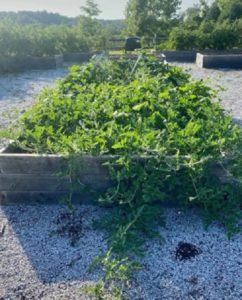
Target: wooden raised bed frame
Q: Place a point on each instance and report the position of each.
(216, 61)
(30, 178)
(37, 179)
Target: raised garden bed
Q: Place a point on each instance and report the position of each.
(44, 179)
(20, 64)
(213, 60)
(180, 56)
(113, 131)
(163, 132)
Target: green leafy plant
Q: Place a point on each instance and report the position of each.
(117, 273)
(165, 132)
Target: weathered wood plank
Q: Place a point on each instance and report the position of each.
(43, 182)
(94, 182)
(23, 197)
(90, 165)
(31, 164)
(50, 198)
(29, 178)
(21, 182)
(52, 164)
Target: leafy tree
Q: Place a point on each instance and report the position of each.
(114, 28)
(90, 27)
(146, 17)
(38, 40)
(217, 26)
(213, 12)
(42, 33)
(231, 9)
(36, 17)
(183, 39)
(224, 36)
(91, 9)
(192, 18)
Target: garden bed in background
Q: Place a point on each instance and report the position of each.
(16, 64)
(219, 61)
(21, 64)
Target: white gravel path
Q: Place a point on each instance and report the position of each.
(18, 92)
(37, 265)
(215, 274)
(229, 80)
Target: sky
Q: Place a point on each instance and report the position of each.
(111, 9)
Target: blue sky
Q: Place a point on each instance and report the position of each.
(111, 9)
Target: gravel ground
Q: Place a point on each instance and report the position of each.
(18, 92)
(37, 264)
(229, 80)
(214, 274)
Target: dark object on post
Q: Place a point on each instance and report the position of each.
(132, 43)
(186, 251)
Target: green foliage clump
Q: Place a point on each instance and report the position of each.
(164, 130)
(40, 40)
(155, 111)
(41, 33)
(182, 39)
(150, 18)
(204, 26)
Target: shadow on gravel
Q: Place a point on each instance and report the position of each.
(56, 245)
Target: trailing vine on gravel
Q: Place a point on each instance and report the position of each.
(165, 132)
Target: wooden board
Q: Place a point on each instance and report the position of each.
(31, 164)
(31, 197)
(28, 182)
(31, 178)
(51, 164)
(49, 198)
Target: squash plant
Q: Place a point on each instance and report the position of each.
(166, 131)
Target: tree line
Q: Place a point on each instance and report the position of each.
(204, 26)
(43, 33)
(36, 17)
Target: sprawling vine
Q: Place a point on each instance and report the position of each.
(165, 132)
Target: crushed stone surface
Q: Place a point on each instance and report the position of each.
(18, 92)
(37, 264)
(227, 81)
